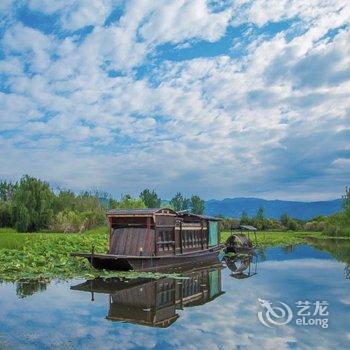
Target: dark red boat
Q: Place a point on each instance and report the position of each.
(157, 239)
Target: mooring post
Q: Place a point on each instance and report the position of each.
(92, 254)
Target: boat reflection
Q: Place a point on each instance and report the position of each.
(242, 265)
(155, 303)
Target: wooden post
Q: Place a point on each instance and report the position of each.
(92, 254)
(202, 243)
(155, 239)
(148, 244)
(181, 248)
(110, 221)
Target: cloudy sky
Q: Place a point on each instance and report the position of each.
(219, 98)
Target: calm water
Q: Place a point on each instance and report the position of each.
(211, 309)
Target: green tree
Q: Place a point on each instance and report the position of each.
(6, 217)
(22, 223)
(177, 201)
(197, 205)
(244, 220)
(288, 222)
(150, 198)
(128, 202)
(346, 205)
(260, 221)
(260, 215)
(284, 219)
(33, 204)
(6, 191)
(65, 200)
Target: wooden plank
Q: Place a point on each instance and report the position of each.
(110, 234)
(181, 246)
(184, 228)
(202, 243)
(147, 238)
(155, 241)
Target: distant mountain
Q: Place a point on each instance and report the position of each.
(233, 207)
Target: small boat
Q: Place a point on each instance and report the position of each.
(157, 239)
(238, 242)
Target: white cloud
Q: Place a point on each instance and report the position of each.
(175, 21)
(76, 14)
(277, 116)
(261, 12)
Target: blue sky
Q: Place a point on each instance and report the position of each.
(219, 98)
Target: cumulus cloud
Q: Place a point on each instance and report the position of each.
(76, 14)
(116, 102)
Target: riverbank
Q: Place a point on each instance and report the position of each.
(45, 256)
(281, 238)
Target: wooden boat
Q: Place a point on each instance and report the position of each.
(157, 239)
(154, 303)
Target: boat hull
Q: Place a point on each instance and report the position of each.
(152, 263)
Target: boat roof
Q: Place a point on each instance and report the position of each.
(246, 227)
(141, 212)
(204, 217)
(156, 211)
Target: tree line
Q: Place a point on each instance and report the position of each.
(30, 204)
(337, 224)
(262, 223)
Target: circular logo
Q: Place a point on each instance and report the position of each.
(274, 315)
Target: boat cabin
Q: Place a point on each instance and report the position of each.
(160, 232)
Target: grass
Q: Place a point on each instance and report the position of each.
(11, 239)
(278, 238)
(44, 256)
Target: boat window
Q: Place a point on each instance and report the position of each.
(193, 238)
(165, 239)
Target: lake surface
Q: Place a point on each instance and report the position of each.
(213, 308)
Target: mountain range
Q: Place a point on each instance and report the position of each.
(233, 207)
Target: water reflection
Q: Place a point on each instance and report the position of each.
(29, 287)
(155, 302)
(62, 318)
(337, 247)
(242, 266)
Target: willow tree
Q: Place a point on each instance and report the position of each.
(32, 205)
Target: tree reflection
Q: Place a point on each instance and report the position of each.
(27, 288)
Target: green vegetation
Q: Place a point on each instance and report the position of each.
(150, 198)
(31, 205)
(197, 205)
(278, 238)
(335, 225)
(44, 256)
(194, 204)
(126, 202)
(338, 248)
(262, 223)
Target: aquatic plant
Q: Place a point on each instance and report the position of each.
(45, 256)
